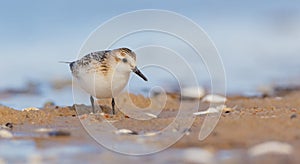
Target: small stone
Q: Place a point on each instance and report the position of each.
(293, 116)
(9, 125)
(59, 133)
(5, 134)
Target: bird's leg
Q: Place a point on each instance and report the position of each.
(113, 105)
(92, 102)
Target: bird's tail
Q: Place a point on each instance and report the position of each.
(65, 62)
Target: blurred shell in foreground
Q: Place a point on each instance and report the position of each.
(192, 92)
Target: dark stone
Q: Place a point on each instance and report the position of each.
(9, 125)
(293, 116)
(59, 133)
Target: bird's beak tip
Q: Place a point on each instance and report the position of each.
(139, 73)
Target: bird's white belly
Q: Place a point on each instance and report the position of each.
(101, 86)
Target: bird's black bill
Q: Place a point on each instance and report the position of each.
(138, 72)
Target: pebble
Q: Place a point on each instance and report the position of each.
(9, 125)
(59, 133)
(125, 131)
(5, 134)
(192, 92)
(293, 116)
(30, 109)
(269, 147)
(214, 99)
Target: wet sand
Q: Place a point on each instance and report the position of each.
(250, 121)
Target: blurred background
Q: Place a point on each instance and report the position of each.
(258, 41)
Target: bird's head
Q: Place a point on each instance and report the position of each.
(126, 61)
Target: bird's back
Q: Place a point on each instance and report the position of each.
(87, 61)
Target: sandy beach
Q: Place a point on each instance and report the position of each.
(247, 123)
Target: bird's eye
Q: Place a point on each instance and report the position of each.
(124, 60)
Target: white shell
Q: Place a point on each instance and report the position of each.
(5, 134)
(124, 131)
(30, 109)
(270, 147)
(197, 155)
(193, 92)
(43, 130)
(151, 115)
(149, 134)
(214, 98)
(210, 110)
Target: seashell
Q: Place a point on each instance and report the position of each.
(151, 115)
(125, 131)
(270, 147)
(214, 99)
(5, 134)
(192, 92)
(210, 110)
(41, 130)
(149, 134)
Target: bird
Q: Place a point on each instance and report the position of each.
(104, 74)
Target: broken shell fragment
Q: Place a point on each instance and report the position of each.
(151, 115)
(210, 110)
(30, 109)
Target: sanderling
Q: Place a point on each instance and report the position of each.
(104, 74)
